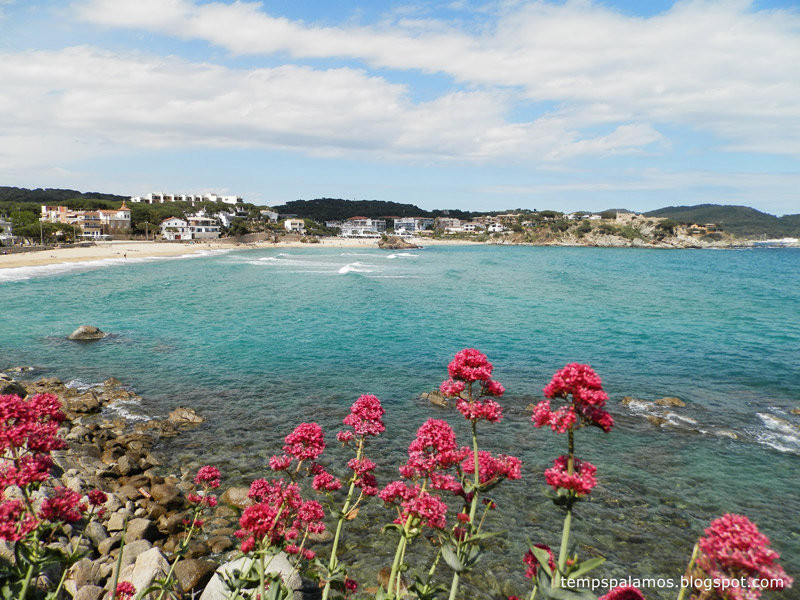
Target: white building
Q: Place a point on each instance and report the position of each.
(411, 225)
(473, 227)
(363, 227)
(271, 215)
(295, 225)
(92, 223)
(203, 228)
(6, 232)
(162, 198)
(175, 228)
(496, 228)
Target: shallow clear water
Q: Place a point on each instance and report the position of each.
(260, 340)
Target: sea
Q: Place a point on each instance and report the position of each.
(258, 341)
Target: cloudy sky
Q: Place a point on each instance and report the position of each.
(577, 104)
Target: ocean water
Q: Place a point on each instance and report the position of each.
(261, 340)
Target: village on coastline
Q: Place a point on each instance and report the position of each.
(206, 217)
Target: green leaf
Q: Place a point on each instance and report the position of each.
(543, 556)
(451, 558)
(567, 594)
(586, 566)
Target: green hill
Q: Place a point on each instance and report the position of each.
(741, 221)
(335, 209)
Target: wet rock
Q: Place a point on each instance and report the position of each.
(219, 544)
(395, 243)
(627, 400)
(185, 416)
(657, 421)
(670, 401)
(795, 411)
(383, 580)
(435, 397)
(12, 388)
(87, 333)
(193, 574)
(236, 496)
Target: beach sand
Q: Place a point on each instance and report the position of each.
(142, 249)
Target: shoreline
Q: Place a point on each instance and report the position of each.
(125, 250)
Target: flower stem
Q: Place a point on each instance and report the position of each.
(689, 570)
(26, 584)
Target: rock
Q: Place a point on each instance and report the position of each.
(167, 495)
(95, 532)
(116, 522)
(657, 421)
(108, 544)
(185, 416)
(383, 580)
(142, 529)
(219, 544)
(216, 590)
(435, 397)
(236, 496)
(395, 243)
(670, 401)
(87, 333)
(795, 411)
(627, 400)
(8, 388)
(80, 574)
(174, 523)
(89, 592)
(131, 552)
(128, 492)
(193, 574)
(149, 566)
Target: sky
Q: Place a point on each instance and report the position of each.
(469, 104)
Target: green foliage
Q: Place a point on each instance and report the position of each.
(608, 214)
(668, 225)
(333, 209)
(584, 228)
(740, 221)
(559, 225)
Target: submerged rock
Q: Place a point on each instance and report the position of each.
(87, 333)
(396, 243)
(670, 401)
(435, 397)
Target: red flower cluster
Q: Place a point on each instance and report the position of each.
(588, 399)
(29, 429)
(125, 591)
(365, 478)
(279, 516)
(97, 497)
(325, 482)
(15, 521)
(420, 505)
(533, 564)
(65, 506)
(433, 449)
(208, 477)
(366, 416)
(734, 549)
(306, 442)
(623, 592)
(469, 366)
(492, 469)
(581, 481)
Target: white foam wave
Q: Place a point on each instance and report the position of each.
(121, 408)
(81, 385)
(355, 267)
(776, 423)
(356, 254)
(779, 434)
(12, 274)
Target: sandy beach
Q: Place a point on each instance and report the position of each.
(141, 249)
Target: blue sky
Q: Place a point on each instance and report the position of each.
(569, 105)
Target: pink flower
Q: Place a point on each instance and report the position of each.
(470, 365)
(476, 410)
(433, 449)
(366, 416)
(494, 388)
(533, 564)
(351, 585)
(279, 463)
(97, 497)
(733, 549)
(15, 521)
(492, 470)
(625, 592)
(344, 436)
(208, 476)
(306, 442)
(452, 388)
(325, 482)
(580, 482)
(64, 506)
(578, 381)
(587, 401)
(125, 591)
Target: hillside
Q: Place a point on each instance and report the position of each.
(335, 209)
(740, 221)
(53, 196)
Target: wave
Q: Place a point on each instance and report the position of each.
(355, 267)
(13, 274)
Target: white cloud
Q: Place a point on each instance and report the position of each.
(720, 67)
(94, 99)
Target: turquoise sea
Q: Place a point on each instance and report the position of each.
(261, 340)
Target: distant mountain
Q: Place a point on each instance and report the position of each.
(336, 209)
(741, 221)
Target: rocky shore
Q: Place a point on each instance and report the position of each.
(146, 506)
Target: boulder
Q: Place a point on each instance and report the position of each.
(167, 495)
(87, 333)
(142, 529)
(236, 496)
(657, 421)
(395, 243)
(185, 416)
(193, 573)
(89, 592)
(216, 589)
(435, 397)
(149, 566)
(795, 411)
(670, 401)
(95, 532)
(80, 574)
(8, 388)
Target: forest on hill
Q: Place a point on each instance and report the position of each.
(740, 221)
